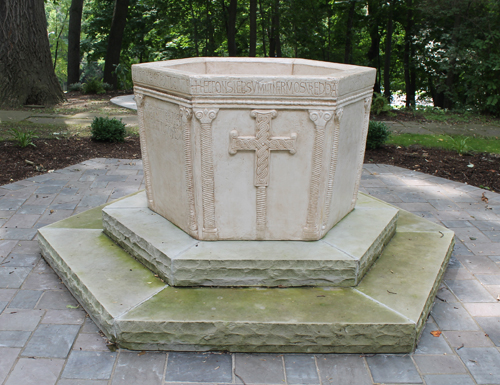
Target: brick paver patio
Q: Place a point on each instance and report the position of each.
(46, 338)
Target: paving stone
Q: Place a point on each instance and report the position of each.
(11, 203)
(26, 247)
(56, 215)
(487, 225)
(20, 319)
(13, 277)
(57, 300)
(68, 317)
(17, 234)
(439, 364)
(483, 309)
(13, 338)
(470, 291)
(483, 364)
(483, 248)
(457, 274)
(456, 224)
(6, 247)
(35, 372)
(491, 325)
(42, 267)
(301, 369)
(452, 316)
(40, 199)
(342, 370)
(25, 299)
(41, 281)
(467, 339)
(138, 369)
(89, 365)
(93, 201)
(493, 236)
(92, 341)
(393, 369)
(27, 260)
(199, 367)
(47, 189)
(3, 305)
(89, 326)
(7, 294)
(7, 358)
(52, 341)
(428, 344)
(63, 206)
(22, 221)
(65, 381)
(448, 379)
(489, 279)
(479, 264)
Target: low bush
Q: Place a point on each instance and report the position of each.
(75, 87)
(378, 133)
(23, 138)
(380, 104)
(108, 130)
(93, 86)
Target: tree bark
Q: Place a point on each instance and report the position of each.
(253, 28)
(388, 51)
(348, 35)
(195, 24)
(231, 28)
(262, 18)
(74, 30)
(274, 41)
(374, 50)
(409, 68)
(115, 42)
(26, 72)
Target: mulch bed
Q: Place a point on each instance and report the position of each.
(481, 170)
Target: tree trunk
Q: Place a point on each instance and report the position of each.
(195, 24)
(231, 28)
(374, 50)
(26, 72)
(450, 77)
(274, 41)
(388, 51)
(263, 23)
(348, 35)
(115, 42)
(253, 28)
(409, 67)
(74, 29)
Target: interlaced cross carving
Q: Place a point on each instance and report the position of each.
(262, 143)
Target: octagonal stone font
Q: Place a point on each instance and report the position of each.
(252, 148)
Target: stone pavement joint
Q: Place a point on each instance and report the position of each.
(466, 353)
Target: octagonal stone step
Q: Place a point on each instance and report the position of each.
(341, 258)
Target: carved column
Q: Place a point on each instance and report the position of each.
(186, 116)
(206, 117)
(140, 99)
(333, 165)
(320, 119)
(366, 122)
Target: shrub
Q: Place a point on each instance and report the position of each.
(108, 130)
(75, 87)
(378, 133)
(93, 86)
(23, 138)
(380, 104)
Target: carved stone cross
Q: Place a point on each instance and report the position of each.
(262, 143)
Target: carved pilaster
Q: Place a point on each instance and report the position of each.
(320, 118)
(206, 116)
(140, 100)
(186, 116)
(333, 164)
(361, 154)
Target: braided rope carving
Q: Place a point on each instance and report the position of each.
(262, 143)
(320, 119)
(186, 115)
(367, 104)
(140, 100)
(206, 117)
(333, 164)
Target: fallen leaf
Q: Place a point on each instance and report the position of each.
(72, 307)
(484, 198)
(141, 353)
(436, 333)
(470, 165)
(498, 297)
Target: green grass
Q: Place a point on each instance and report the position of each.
(43, 131)
(454, 143)
(435, 114)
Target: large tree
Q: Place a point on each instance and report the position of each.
(74, 28)
(26, 72)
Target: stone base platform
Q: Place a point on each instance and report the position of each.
(341, 258)
(384, 313)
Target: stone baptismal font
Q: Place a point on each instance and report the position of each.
(251, 235)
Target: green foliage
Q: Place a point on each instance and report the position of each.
(94, 86)
(23, 138)
(75, 87)
(108, 130)
(380, 104)
(378, 133)
(447, 142)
